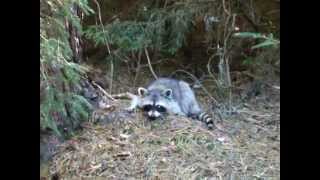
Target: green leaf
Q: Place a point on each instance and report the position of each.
(247, 61)
(264, 44)
(248, 35)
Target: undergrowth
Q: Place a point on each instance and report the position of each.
(160, 29)
(62, 107)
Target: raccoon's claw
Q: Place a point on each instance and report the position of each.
(210, 126)
(129, 110)
(192, 116)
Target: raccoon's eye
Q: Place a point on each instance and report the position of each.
(147, 108)
(160, 108)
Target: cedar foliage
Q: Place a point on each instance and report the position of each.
(160, 29)
(61, 105)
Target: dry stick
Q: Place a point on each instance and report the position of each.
(127, 95)
(224, 7)
(229, 81)
(109, 51)
(195, 79)
(218, 82)
(137, 69)
(103, 91)
(157, 62)
(227, 62)
(205, 90)
(224, 61)
(209, 71)
(165, 4)
(150, 66)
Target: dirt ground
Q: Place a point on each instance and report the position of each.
(245, 146)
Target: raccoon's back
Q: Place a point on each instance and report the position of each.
(167, 83)
(164, 83)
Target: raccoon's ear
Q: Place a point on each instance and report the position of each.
(142, 91)
(167, 93)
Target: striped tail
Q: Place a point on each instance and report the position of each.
(205, 117)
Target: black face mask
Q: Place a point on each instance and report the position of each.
(158, 108)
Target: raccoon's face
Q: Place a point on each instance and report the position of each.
(154, 102)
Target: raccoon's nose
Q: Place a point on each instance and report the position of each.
(152, 115)
(152, 118)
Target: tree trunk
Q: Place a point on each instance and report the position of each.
(75, 40)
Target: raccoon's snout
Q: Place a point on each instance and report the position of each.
(152, 118)
(152, 115)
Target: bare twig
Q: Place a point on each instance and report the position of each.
(108, 47)
(127, 95)
(111, 74)
(157, 62)
(224, 7)
(137, 69)
(224, 58)
(209, 69)
(100, 20)
(196, 80)
(150, 66)
(103, 91)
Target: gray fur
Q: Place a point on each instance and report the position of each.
(175, 95)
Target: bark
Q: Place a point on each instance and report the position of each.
(75, 40)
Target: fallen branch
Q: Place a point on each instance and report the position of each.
(124, 95)
(103, 91)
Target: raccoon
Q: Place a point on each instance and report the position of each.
(169, 96)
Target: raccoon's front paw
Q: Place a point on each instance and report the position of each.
(129, 110)
(192, 116)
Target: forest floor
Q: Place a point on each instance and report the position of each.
(131, 147)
